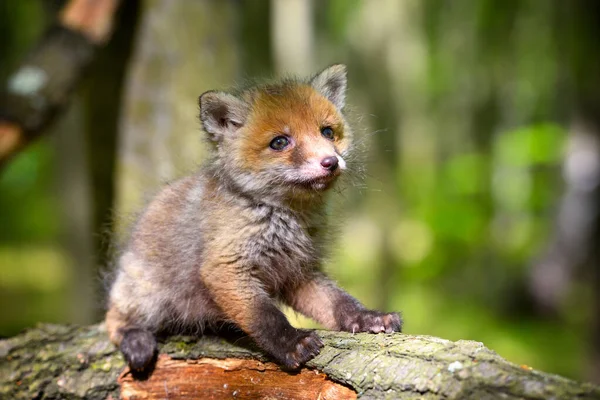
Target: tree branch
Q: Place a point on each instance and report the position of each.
(44, 81)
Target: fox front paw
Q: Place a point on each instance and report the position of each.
(371, 321)
(299, 350)
(139, 348)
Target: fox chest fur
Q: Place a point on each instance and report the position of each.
(278, 246)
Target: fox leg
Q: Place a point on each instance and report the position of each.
(137, 344)
(321, 299)
(245, 303)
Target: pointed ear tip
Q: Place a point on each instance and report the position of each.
(339, 68)
(333, 70)
(206, 95)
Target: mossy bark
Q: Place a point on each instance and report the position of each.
(52, 362)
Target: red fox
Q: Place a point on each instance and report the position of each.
(247, 231)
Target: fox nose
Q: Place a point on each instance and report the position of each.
(330, 163)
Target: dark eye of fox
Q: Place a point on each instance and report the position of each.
(279, 143)
(327, 133)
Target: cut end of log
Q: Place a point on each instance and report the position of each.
(209, 378)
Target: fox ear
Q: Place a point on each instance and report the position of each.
(221, 114)
(331, 83)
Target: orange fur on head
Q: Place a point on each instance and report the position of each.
(294, 110)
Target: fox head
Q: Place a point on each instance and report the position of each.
(283, 139)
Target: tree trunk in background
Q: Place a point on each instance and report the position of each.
(584, 22)
(254, 36)
(84, 141)
(103, 92)
(86, 146)
(594, 374)
(574, 250)
(574, 238)
(183, 48)
(292, 36)
(75, 207)
(593, 262)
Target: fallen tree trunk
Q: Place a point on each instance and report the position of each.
(53, 361)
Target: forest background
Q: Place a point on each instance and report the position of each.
(478, 215)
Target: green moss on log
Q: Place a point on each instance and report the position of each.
(52, 362)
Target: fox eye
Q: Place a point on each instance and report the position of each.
(327, 133)
(279, 143)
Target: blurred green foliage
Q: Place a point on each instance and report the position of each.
(33, 276)
(463, 172)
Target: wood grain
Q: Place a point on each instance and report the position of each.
(229, 378)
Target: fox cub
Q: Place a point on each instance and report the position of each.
(247, 231)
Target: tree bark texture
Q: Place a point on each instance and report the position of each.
(53, 361)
